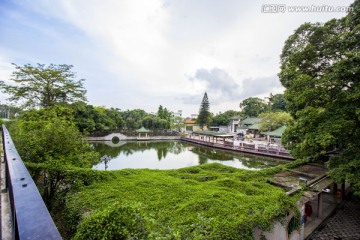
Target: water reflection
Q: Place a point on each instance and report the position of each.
(172, 155)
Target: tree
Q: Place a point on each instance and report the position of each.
(160, 112)
(177, 123)
(320, 71)
(9, 112)
(90, 119)
(115, 115)
(253, 106)
(154, 122)
(149, 122)
(204, 117)
(133, 118)
(164, 114)
(223, 119)
(84, 117)
(270, 99)
(44, 86)
(48, 137)
(273, 120)
(278, 103)
(50, 134)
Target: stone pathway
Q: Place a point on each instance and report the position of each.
(343, 225)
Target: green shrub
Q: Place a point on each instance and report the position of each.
(118, 221)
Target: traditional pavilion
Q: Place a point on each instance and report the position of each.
(142, 131)
(277, 133)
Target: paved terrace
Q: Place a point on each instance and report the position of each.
(326, 215)
(228, 142)
(344, 224)
(5, 212)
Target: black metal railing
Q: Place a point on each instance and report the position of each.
(30, 218)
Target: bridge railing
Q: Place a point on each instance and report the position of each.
(29, 215)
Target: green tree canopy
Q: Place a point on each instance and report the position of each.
(49, 137)
(90, 119)
(204, 117)
(278, 103)
(164, 114)
(50, 134)
(44, 86)
(154, 122)
(223, 119)
(320, 71)
(133, 118)
(253, 106)
(273, 120)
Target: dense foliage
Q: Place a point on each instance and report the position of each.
(133, 118)
(44, 86)
(273, 120)
(204, 117)
(253, 106)
(49, 136)
(188, 203)
(320, 71)
(278, 102)
(101, 120)
(223, 119)
(164, 113)
(153, 122)
(90, 119)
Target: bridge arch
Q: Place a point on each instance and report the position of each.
(113, 135)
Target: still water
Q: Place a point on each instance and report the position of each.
(172, 155)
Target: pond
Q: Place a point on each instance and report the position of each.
(172, 155)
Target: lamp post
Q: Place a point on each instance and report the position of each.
(105, 159)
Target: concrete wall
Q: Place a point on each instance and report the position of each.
(279, 232)
(224, 129)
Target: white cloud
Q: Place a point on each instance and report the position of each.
(143, 53)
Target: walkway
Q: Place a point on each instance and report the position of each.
(5, 212)
(243, 148)
(343, 225)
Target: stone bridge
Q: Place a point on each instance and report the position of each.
(123, 137)
(110, 137)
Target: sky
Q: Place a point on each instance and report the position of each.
(139, 54)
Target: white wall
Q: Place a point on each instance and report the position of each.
(279, 232)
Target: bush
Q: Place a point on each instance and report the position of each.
(118, 221)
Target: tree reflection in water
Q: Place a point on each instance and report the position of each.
(163, 148)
